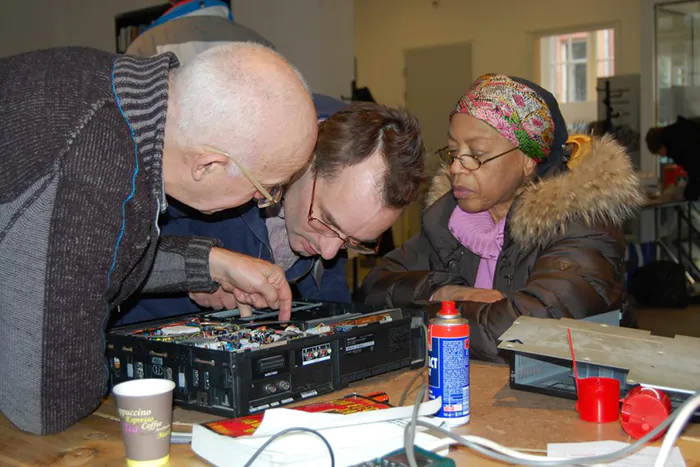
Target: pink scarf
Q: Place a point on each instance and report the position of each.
(478, 233)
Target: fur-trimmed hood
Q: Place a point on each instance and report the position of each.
(600, 188)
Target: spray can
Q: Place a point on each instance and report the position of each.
(448, 364)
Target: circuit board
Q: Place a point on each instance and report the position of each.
(227, 330)
(233, 366)
(400, 459)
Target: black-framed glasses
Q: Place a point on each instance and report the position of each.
(469, 162)
(327, 231)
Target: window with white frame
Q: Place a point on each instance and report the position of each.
(570, 63)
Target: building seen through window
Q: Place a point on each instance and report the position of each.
(571, 63)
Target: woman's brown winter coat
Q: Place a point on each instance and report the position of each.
(563, 252)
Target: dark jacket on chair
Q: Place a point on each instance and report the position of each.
(563, 252)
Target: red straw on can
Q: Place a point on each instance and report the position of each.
(573, 358)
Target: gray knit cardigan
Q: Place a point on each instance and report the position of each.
(81, 189)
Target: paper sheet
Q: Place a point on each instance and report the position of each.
(351, 445)
(276, 420)
(645, 457)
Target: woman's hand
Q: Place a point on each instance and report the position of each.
(460, 293)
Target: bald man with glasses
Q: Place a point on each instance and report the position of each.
(94, 147)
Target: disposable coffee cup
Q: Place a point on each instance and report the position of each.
(598, 399)
(145, 409)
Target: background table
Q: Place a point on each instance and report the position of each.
(673, 199)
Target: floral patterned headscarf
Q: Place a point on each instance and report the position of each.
(522, 112)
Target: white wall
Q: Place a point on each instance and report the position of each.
(502, 34)
(574, 112)
(37, 24)
(315, 35)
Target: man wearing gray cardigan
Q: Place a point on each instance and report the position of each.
(90, 146)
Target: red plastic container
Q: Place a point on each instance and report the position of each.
(598, 399)
(673, 174)
(643, 409)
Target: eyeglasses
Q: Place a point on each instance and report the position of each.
(327, 231)
(273, 196)
(468, 161)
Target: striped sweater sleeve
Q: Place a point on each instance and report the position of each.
(182, 264)
(141, 89)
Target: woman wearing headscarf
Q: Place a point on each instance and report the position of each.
(519, 223)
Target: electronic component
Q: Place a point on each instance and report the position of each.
(399, 458)
(315, 354)
(233, 366)
(540, 359)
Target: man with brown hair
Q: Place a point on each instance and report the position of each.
(368, 167)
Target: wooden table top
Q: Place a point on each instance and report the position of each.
(668, 198)
(513, 418)
(665, 200)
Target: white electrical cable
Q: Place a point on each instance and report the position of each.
(487, 443)
(678, 419)
(287, 431)
(675, 429)
(496, 451)
(489, 448)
